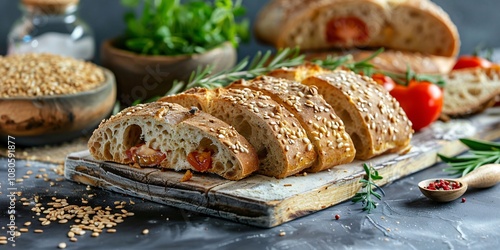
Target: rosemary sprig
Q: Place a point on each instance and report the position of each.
(262, 64)
(246, 69)
(364, 66)
(367, 192)
(481, 153)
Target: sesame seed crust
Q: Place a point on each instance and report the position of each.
(317, 117)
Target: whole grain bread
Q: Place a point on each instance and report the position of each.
(372, 117)
(469, 91)
(280, 141)
(173, 132)
(408, 25)
(324, 128)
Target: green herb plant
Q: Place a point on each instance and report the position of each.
(481, 153)
(171, 27)
(369, 189)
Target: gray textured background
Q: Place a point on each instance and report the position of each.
(477, 21)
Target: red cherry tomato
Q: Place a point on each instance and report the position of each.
(346, 30)
(145, 156)
(200, 161)
(384, 80)
(464, 62)
(421, 101)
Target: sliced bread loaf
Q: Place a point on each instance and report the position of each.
(280, 141)
(170, 136)
(324, 128)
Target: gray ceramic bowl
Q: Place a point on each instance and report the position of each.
(35, 121)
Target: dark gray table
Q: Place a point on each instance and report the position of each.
(405, 219)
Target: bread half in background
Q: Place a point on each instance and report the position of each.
(406, 25)
(470, 91)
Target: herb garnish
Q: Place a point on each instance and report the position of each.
(365, 195)
(481, 153)
(169, 27)
(262, 64)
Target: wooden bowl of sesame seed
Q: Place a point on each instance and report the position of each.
(48, 99)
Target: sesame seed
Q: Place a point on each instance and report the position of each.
(145, 231)
(62, 245)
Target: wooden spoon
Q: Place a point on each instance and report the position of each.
(483, 177)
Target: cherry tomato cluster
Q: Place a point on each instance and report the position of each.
(443, 185)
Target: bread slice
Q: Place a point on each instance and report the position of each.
(170, 136)
(324, 128)
(469, 91)
(419, 26)
(320, 24)
(281, 143)
(408, 25)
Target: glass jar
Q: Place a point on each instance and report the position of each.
(51, 26)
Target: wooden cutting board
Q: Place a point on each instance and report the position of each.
(267, 202)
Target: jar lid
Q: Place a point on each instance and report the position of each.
(49, 2)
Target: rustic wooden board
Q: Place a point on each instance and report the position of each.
(267, 202)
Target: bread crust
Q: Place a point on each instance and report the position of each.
(162, 126)
(324, 128)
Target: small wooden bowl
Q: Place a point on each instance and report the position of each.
(35, 121)
(140, 77)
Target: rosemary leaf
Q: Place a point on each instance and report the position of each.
(480, 145)
(481, 153)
